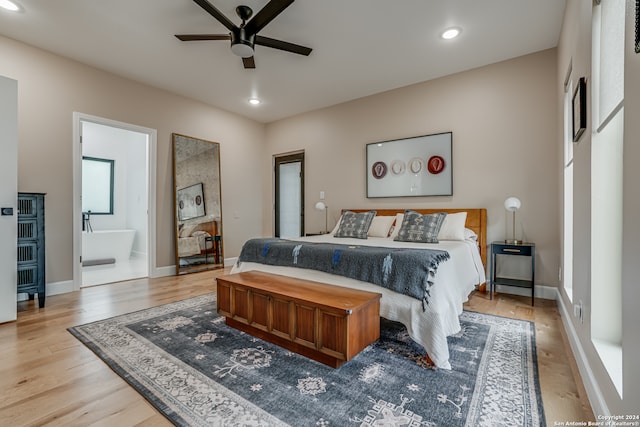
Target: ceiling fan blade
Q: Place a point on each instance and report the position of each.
(249, 62)
(266, 15)
(215, 13)
(286, 46)
(193, 37)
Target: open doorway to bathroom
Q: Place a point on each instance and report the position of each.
(112, 177)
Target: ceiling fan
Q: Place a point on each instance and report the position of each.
(244, 37)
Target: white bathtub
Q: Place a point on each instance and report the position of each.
(103, 244)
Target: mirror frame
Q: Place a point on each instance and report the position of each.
(199, 190)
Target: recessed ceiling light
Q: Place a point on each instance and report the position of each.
(9, 5)
(450, 33)
(254, 101)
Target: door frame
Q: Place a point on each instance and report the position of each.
(278, 159)
(78, 118)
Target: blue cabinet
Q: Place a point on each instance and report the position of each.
(31, 255)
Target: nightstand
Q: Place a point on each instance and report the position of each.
(502, 248)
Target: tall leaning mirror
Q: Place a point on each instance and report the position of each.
(198, 208)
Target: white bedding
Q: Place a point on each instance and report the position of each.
(453, 283)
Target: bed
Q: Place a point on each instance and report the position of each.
(427, 324)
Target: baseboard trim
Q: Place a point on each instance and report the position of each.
(169, 270)
(594, 394)
(53, 288)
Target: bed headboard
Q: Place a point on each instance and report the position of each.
(476, 221)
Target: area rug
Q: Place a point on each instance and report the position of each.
(197, 371)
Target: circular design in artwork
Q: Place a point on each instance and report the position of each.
(198, 200)
(397, 167)
(435, 164)
(379, 170)
(415, 165)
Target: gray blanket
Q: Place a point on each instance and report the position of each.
(403, 270)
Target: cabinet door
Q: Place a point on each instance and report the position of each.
(281, 315)
(259, 316)
(28, 206)
(224, 298)
(28, 278)
(305, 325)
(333, 334)
(240, 304)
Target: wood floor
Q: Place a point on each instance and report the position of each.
(47, 377)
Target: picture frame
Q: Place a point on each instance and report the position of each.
(579, 107)
(637, 35)
(190, 203)
(410, 167)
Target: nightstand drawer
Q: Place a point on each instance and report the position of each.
(524, 250)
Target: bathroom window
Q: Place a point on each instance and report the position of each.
(97, 185)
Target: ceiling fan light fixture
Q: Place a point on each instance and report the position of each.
(451, 33)
(243, 50)
(242, 43)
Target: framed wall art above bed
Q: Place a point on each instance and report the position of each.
(418, 166)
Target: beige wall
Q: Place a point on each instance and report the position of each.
(51, 88)
(575, 48)
(504, 123)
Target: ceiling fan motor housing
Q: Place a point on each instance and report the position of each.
(242, 43)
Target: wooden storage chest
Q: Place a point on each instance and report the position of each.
(330, 324)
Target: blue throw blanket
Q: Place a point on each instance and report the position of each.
(403, 270)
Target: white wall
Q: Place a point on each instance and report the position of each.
(8, 197)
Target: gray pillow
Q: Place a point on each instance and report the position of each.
(355, 225)
(420, 228)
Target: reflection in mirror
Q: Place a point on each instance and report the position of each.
(198, 210)
(97, 185)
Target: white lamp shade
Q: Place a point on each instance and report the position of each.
(512, 204)
(321, 206)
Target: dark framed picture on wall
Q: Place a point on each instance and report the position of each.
(579, 109)
(417, 166)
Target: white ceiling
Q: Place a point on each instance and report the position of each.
(360, 47)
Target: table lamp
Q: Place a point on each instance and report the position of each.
(321, 206)
(513, 204)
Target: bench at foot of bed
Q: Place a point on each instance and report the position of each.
(327, 323)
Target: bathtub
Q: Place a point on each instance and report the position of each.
(105, 244)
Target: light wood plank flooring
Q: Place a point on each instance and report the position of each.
(47, 377)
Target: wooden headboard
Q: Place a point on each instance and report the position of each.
(476, 221)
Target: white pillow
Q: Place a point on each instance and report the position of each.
(380, 226)
(396, 227)
(453, 226)
(337, 226)
(470, 235)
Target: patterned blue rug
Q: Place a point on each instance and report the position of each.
(199, 372)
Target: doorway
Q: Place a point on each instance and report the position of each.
(289, 195)
(114, 187)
